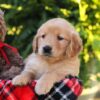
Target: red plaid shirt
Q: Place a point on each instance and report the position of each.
(68, 89)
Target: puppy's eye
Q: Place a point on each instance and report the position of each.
(60, 38)
(43, 36)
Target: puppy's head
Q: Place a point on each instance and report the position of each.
(57, 39)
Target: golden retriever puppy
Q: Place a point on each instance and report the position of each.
(56, 48)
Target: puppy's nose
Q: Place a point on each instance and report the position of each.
(47, 49)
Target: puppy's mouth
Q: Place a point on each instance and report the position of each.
(47, 54)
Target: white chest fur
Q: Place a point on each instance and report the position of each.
(36, 63)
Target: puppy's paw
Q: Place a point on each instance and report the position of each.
(20, 80)
(43, 87)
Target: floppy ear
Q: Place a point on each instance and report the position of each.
(75, 46)
(35, 44)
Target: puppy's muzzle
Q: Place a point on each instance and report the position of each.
(47, 50)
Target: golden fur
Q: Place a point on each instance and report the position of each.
(66, 45)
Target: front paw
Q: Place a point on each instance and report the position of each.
(43, 87)
(20, 80)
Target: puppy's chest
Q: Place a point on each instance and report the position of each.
(40, 71)
(45, 68)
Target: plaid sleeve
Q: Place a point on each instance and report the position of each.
(68, 89)
(11, 92)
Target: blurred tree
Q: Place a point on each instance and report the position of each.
(23, 17)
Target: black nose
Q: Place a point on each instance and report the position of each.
(47, 49)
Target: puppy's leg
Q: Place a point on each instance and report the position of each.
(23, 79)
(45, 83)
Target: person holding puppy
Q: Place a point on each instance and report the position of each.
(56, 48)
(11, 63)
(47, 64)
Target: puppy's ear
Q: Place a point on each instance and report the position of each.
(35, 44)
(75, 46)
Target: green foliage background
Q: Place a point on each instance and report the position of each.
(23, 17)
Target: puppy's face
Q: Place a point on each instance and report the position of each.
(52, 42)
(55, 39)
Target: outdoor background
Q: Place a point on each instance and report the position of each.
(23, 18)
